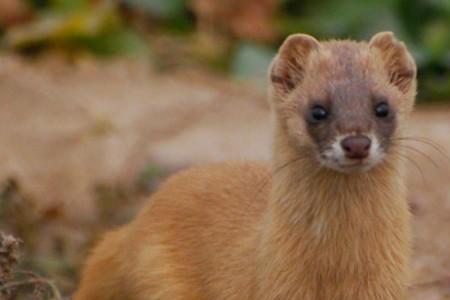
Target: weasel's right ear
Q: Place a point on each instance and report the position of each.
(288, 67)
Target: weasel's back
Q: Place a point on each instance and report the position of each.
(230, 192)
(202, 219)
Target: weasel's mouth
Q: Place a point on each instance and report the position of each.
(351, 166)
(355, 164)
(346, 166)
(336, 158)
(358, 166)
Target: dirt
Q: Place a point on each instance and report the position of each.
(66, 128)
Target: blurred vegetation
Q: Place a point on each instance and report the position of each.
(45, 262)
(232, 36)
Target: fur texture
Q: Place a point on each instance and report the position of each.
(293, 230)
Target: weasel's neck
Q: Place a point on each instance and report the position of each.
(335, 236)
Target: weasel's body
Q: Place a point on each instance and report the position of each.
(295, 230)
(153, 255)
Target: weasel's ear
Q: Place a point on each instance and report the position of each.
(399, 64)
(288, 67)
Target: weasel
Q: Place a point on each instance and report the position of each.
(327, 220)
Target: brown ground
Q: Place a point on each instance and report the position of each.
(68, 129)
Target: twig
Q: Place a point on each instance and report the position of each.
(49, 283)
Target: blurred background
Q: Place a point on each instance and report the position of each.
(101, 100)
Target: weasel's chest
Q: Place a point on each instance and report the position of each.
(338, 277)
(315, 288)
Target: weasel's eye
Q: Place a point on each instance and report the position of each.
(319, 113)
(382, 110)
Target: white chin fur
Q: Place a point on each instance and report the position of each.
(334, 157)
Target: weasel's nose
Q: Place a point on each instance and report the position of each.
(356, 147)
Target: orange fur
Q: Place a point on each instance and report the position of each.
(241, 230)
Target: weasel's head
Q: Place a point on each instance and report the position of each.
(343, 100)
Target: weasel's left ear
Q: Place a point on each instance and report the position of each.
(288, 67)
(398, 62)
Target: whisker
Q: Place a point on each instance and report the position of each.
(401, 155)
(428, 142)
(408, 147)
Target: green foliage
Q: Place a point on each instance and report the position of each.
(69, 5)
(99, 27)
(171, 15)
(424, 25)
(162, 9)
(251, 61)
(108, 43)
(76, 25)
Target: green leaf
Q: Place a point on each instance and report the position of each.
(251, 61)
(69, 5)
(163, 9)
(122, 41)
(436, 38)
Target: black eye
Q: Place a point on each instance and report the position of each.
(319, 113)
(382, 110)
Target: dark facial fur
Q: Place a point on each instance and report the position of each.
(344, 99)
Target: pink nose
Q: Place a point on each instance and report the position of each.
(356, 147)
